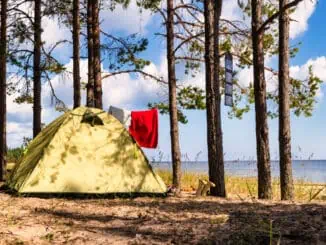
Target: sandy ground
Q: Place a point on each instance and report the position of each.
(171, 220)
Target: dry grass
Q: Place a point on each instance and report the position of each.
(246, 187)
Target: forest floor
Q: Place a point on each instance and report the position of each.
(171, 220)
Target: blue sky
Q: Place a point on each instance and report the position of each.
(133, 92)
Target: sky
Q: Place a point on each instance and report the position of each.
(134, 92)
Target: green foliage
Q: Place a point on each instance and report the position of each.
(303, 96)
(244, 59)
(149, 4)
(192, 68)
(15, 154)
(295, 49)
(196, 47)
(114, 3)
(124, 53)
(21, 31)
(269, 9)
(145, 4)
(127, 55)
(245, 6)
(54, 67)
(226, 46)
(24, 98)
(240, 107)
(192, 98)
(269, 41)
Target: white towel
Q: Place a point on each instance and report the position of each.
(124, 116)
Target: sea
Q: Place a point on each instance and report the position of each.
(313, 171)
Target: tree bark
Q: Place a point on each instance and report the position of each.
(97, 56)
(76, 53)
(90, 47)
(211, 99)
(174, 127)
(37, 69)
(284, 105)
(218, 167)
(262, 137)
(3, 91)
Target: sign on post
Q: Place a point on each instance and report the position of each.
(228, 91)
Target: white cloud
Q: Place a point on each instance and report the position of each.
(123, 90)
(245, 76)
(231, 10)
(318, 66)
(16, 132)
(130, 20)
(21, 111)
(19, 121)
(301, 16)
(15, 128)
(53, 32)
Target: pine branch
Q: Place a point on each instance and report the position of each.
(145, 74)
(264, 26)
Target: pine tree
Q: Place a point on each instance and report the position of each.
(76, 52)
(3, 88)
(215, 158)
(262, 135)
(37, 109)
(174, 128)
(90, 48)
(284, 104)
(218, 175)
(97, 55)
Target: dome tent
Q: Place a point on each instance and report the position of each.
(88, 151)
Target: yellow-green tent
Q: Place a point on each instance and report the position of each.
(85, 150)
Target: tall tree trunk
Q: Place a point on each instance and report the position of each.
(262, 137)
(211, 89)
(90, 46)
(3, 91)
(174, 127)
(284, 105)
(218, 167)
(97, 56)
(37, 69)
(76, 53)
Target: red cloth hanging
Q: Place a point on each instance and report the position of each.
(144, 127)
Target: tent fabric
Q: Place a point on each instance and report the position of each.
(144, 127)
(69, 156)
